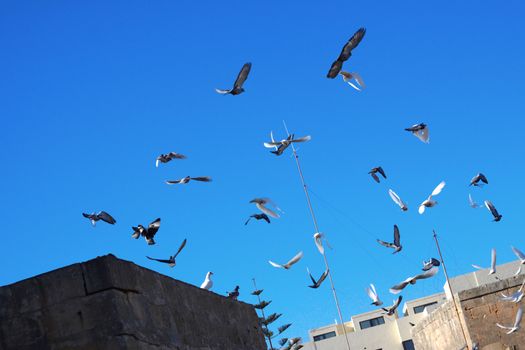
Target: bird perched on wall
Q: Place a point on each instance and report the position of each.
(492, 263)
(397, 200)
(412, 280)
(521, 257)
(261, 203)
(476, 180)
(493, 210)
(516, 325)
(317, 283)
(472, 203)
(289, 264)
(282, 145)
(187, 179)
(427, 265)
(396, 245)
(420, 131)
(392, 309)
(357, 80)
(371, 291)
(171, 261)
(234, 294)
(148, 233)
(208, 283)
(165, 158)
(258, 217)
(346, 52)
(101, 215)
(429, 202)
(239, 82)
(374, 172)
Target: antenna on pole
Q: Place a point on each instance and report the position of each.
(316, 226)
(450, 289)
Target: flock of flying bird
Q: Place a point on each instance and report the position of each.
(421, 131)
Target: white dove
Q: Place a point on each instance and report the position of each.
(516, 326)
(492, 263)
(289, 264)
(514, 297)
(397, 200)
(429, 202)
(208, 283)
(521, 257)
(373, 295)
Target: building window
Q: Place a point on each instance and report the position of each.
(408, 345)
(421, 308)
(372, 322)
(324, 336)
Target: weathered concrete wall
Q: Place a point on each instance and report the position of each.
(480, 310)
(108, 303)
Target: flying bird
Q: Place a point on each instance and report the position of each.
(371, 291)
(514, 297)
(318, 240)
(429, 202)
(493, 211)
(397, 241)
(234, 294)
(148, 233)
(281, 146)
(427, 265)
(208, 283)
(412, 280)
(353, 79)
(164, 158)
(258, 217)
(492, 263)
(261, 203)
(101, 215)
(519, 254)
(187, 179)
(374, 172)
(241, 78)
(289, 264)
(346, 52)
(516, 325)
(476, 180)
(420, 131)
(171, 260)
(317, 283)
(397, 200)
(392, 309)
(472, 203)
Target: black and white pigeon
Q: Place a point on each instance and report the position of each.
(476, 180)
(258, 217)
(427, 265)
(171, 261)
(148, 233)
(392, 309)
(187, 179)
(289, 264)
(234, 294)
(101, 215)
(281, 146)
(317, 283)
(239, 82)
(412, 280)
(165, 158)
(396, 245)
(429, 202)
(371, 291)
(521, 257)
(493, 210)
(374, 172)
(353, 79)
(261, 203)
(346, 52)
(492, 269)
(420, 131)
(398, 200)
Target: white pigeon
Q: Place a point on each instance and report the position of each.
(521, 257)
(516, 326)
(318, 236)
(492, 263)
(429, 202)
(208, 283)
(373, 295)
(357, 80)
(397, 200)
(472, 203)
(514, 297)
(289, 264)
(260, 203)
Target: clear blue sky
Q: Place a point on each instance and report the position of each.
(91, 94)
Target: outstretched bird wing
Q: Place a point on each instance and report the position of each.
(106, 217)
(294, 260)
(267, 211)
(385, 244)
(518, 253)
(491, 208)
(399, 287)
(336, 67)
(302, 139)
(276, 264)
(346, 52)
(202, 178)
(223, 92)
(154, 227)
(182, 245)
(374, 176)
(427, 274)
(173, 182)
(397, 236)
(243, 75)
(396, 198)
(160, 260)
(438, 188)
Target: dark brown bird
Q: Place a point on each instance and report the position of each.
(258, 217)
(374, 172)
(317, 284)
(171, 261)
(101, 215)
(241, 78)
(235, 294)
(164, 158)
(476, 179)
(346, 53)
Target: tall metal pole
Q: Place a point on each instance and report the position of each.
(305, 188)
(450, 289)
(264, 317)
